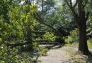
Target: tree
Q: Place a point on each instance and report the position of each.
(15, 36)
(80, 16)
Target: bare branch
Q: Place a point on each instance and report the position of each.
(72, 8)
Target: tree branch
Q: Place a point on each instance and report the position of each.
(71, 2)
(17, 44)
(40, 20)
(72, 8)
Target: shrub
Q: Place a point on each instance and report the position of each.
(73, 37)
(49, 36)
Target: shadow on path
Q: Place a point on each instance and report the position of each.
(54, 46)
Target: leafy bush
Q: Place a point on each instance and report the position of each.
(43, 51)
(73, 37)
(49, 36)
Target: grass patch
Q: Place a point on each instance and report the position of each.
(90, 43)
(75, 56)
(75, 44)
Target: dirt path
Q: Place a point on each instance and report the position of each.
(60, 55)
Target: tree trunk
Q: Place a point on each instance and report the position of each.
(80, 16)
(83, 47)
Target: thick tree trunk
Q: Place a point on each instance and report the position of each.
(83, 47)
(81, 17)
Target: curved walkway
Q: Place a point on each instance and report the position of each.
(60, 55)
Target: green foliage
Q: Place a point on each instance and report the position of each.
(49, 36)
(18, 25)
(90, 43)
(43, 51)
(13, 32)
(73, 37)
